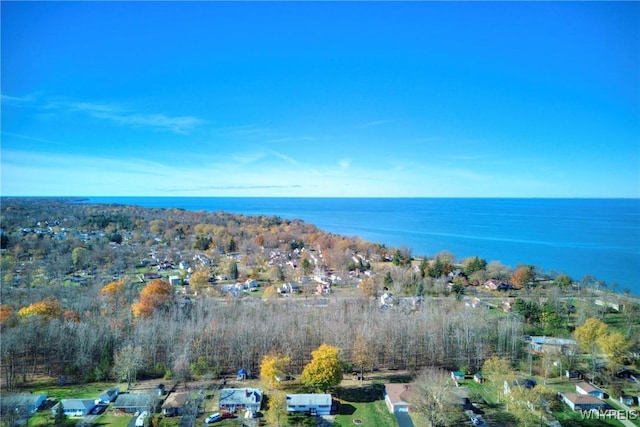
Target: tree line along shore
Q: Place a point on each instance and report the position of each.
(203, 294)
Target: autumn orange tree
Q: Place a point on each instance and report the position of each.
(156, 294)
(325, 370)
(272, 367)
(523, 276)
(6, 314)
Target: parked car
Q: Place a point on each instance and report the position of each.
(140, 420)
(213, 418)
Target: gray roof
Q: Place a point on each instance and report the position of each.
(22, 400)
(134, 400)
(84, 405)
(240, 396)
(309, 399)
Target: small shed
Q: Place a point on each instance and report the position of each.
(477, 377)
(242, 374)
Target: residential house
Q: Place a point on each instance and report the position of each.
(174, 404)
(311, 403)
(588, 388)
(552, 345)
(582, 402)
(22, 403)
(492, 284)
(457, 375)
(397, 397)
(108, 396)
(135, 402)
(233, 399)
(477, 377)
(74, 407)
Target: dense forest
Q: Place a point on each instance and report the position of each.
(95, 292)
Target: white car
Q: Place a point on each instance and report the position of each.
(213, 418)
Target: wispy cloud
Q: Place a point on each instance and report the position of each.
(292, 139)
(285, 157)
(374, 123)
(344, 163)
(117, 113)
(125, 116)
(15, 100)
(33, 138)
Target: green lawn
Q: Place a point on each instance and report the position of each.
(364, 403)
(371, 414)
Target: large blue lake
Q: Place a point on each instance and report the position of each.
(598, 237)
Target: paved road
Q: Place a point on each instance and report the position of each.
(404, 420)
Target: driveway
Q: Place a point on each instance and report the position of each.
(404, 420)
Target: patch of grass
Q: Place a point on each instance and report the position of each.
(569, 418)
(112, 421)
(371, 414)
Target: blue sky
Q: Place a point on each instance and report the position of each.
(384, 99)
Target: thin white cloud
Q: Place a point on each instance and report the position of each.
(285, 158)
(292, 139)
(124, 116)
(344, 163)
(374, 123)
(15, 100)
(33, 138)
(116, 113)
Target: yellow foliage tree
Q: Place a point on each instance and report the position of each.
(615, 345)
(270, 292)
(325, 370)
(113, 289)
(199, 281)
(276, 413)
(497, 370)
(49, 307)
(368, 287)
(272, 367)
(587, 336)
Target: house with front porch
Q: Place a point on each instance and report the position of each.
(235, 399)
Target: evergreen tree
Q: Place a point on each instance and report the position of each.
(60, 418)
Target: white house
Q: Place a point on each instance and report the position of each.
(74, 407)
(396, 396)
(313, 404)
(588, 388)
(584, 402)
(232, 399)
